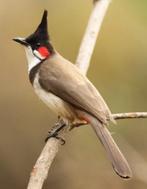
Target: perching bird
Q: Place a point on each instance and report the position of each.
(64, 89)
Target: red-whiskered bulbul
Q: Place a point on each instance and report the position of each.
(62, 86)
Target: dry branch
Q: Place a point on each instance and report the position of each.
(91, 34)
(42, 165)
(130, 115)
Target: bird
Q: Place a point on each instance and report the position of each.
(65, 90)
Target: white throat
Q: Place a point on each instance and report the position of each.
(31, 58)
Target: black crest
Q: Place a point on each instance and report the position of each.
(41, 33)
(40, 37)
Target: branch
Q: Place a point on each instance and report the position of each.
(91, 34)
(130, 115)
(42, 165)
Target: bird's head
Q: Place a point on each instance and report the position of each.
(38, 45)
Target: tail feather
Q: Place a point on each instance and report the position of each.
(118, 161)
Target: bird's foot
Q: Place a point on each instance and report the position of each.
(77, 123)
(55, 130)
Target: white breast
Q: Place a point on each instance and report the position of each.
(53, 102)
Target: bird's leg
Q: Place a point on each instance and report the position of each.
(55, 130)
(78, 123)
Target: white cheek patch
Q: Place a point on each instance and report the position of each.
(31, 58)
(36, 53)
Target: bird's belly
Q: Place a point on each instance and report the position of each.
(55, 103)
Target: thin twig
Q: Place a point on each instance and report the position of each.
(130, 115)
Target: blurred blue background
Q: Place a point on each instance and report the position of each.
(118, 69)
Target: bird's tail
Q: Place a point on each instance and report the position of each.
(118, 161)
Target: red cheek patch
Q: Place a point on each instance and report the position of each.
(43, 51)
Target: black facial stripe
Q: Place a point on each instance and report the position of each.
(36, 56)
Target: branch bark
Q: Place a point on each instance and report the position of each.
(91, 34)
(43, 164)
(130, 115)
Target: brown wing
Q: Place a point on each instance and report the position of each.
(62, 78)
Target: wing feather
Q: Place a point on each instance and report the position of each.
(65, 80)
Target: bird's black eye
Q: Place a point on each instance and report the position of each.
(38, 44)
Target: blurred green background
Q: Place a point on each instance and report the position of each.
(118, 69)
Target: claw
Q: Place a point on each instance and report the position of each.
(57, 137)
(55, 130)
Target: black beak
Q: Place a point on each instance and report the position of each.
(21, 41)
